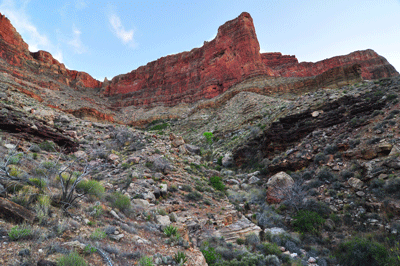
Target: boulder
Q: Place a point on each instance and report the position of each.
(141, 203)
(12, 211)
(163, 220)
(193, 149)
(239, 229)
(277, 186)
(227, 160)
(355, 183)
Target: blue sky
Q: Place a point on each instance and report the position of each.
(108, 38)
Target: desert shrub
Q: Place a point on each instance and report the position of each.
(91, 187)
(216, 182)
(34, 148)
(331, 149)
(250, 259)
(15, 159)
(19, 232)
(89, 249)
(271, 249)
(96, 211)
(170, 231)
(313, 183)
(38, 182)
(210, 254)
(326, 175)
(109, 229)
(307, 175)
(268, 217)
(194, 196)
(319, 207)
(308, 222)
(347, 174)
(159, 127)
(98, 234)
(240, 241)
(392, 186)
(47, 146)
(42, 207)
(292, 247)
(180, 257)
(186, 188)
(120, 201)
(252, 239)
(320, 158)
(361, 251)
(72, 259)
(146, 261)
(209, 137)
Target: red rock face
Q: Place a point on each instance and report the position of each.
(373, 66)
(202, 73)
(230, 58)
(28, 65)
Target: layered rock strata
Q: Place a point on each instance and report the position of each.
(231, 58)
(40, 67)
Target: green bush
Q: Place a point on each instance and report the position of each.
(72, 259)
(38, 182)
(194, 196)
(271, 249)
(20, 232)
(15, 159)
(47, 146)
(209, 137)
(180, 258)
(98, 234)
(210, 254)
(160, 126)
(91, 187)
(361, 251)
(146, 261)
(216, 182)
(170, 231)
(308, 222)
(120, 201)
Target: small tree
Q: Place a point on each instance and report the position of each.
(209, 137)
(69, 181)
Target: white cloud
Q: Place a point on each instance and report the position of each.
(81, 4)
(21, 21)
(76, 42)
(126, 36)
(58, 56)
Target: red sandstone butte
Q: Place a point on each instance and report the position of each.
(28, 66)
(202, 73)
(230, 58)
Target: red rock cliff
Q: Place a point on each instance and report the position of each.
(201, 73)
(373, 66)
(230, 58)
(27, 65)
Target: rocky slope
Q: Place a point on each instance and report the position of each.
(178, 85)
(303, 157)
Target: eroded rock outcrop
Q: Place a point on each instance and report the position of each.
(202, 73)
(40, 67)
(232, 57)
(373, 66)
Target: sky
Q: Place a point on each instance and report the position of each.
(108, 38)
